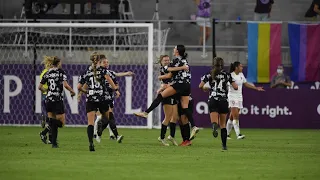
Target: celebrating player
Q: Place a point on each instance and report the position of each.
(218, 99)
(170, 108)
(236, 99)
(181, 85)
(97, 96)
(56, 79)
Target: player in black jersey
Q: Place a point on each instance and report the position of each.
(97, 95)
(218, 99)
(56, 79)
(181, 77)
(170, 108)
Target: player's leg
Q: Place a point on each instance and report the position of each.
(229, 125)
(59, 122)
(214, 116)
(91, 108)
(43, 134)
(164, 94)
(167, 109)
(173, 121)
(185, 128)
(223, 110)
(111, 121)
(111, 115)
(235, 114)
(95, 128)
(194, 128)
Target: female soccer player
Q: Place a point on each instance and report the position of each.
(56, 79)
(95, 77)
(236, 99)
(181, 86)
(218, 99)
(170, 108)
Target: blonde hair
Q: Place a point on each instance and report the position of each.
(95, 58)
(161, 58)
(47, 61)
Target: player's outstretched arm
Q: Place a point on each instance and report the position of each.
(248, 85)
(185, 68)
(67, 86)
(121, 74)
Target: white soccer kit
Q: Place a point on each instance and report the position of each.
(235, 96)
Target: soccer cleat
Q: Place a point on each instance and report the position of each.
(120, 138)
(186, 143)
(241, 136)
(55, 146)
(98, 139)
(95, 127)
(91, 147)
(229, 137)
(224, 148)
(194, 132)
(49, 142)
(112, 138)
(141, 114)
(215, 131)
(99, 128)
(43, 138)
(163, 141)
(172, 140)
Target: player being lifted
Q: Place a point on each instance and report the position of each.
(181, 86)
(170, 107)
(97, 96)
(218, 99)
(236, 99)
(56, 79)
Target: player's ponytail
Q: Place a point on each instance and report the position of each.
(55, 61)
(182, 51)
(94, 57)
(217, 67)
(47, 61)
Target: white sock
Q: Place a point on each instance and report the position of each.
(236, 126)
(229, 126)
(95, 128)
(110, 131)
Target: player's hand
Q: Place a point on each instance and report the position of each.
(117, 94)
(205, 89)
(260, 89)
(72, 93)
(129, 73)
(159, 91)
(186, 68)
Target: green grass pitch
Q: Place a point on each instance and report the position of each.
(264, 154)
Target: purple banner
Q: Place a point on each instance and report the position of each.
(298, 107)
(21, 100)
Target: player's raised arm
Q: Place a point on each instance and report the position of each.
(121, 74)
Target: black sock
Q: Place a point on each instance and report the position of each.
(54, 129)
(46, 130)
(187, 131)
(90, 133)
(214, 124)
(113, 128)
(182, 132)
(172, 129)
(163, 131)
(188, 113)
(224, 136)
(155, 103)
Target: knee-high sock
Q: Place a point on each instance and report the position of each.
(111, 117)
(95, 129)
(172, 129)
(163, 131)
(224, 136)
(188, 113)
(90, 129)
(229, 126)
(155, 103)
(236, 126)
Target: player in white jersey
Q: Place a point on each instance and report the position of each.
(236, 99)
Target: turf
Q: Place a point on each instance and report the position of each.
(264, 154)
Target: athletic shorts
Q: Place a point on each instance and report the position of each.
(55, 107)
(219, 106)
(182, 89)
(190, 107)
(235, 103)
(97, 106)
(110, 103)
(170, 100)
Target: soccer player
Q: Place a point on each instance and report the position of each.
(95, 77)
(181, 86)
(218, 99)
(56, 79)
(236, 99)
(169, 104)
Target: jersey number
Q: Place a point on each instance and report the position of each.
(219, 85)
(52, 84)
(94, 84)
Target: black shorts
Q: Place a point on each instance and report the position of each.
(170, 100)
(190, 107)
(97, 106)
(55, 107)
(182, 89)
(110, 103)
(219, 106)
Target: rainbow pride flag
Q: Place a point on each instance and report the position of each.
(264, 50)
(304, 40)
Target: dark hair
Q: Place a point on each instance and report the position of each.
(234, 65)
(102, 56)
(182, 51)
(217, 67)
(55, 61)
(161, 58)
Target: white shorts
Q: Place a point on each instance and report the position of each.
(235, 103)
(203, 22)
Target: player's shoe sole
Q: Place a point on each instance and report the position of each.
(163, 142)
(241, 136)
(194, 132)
